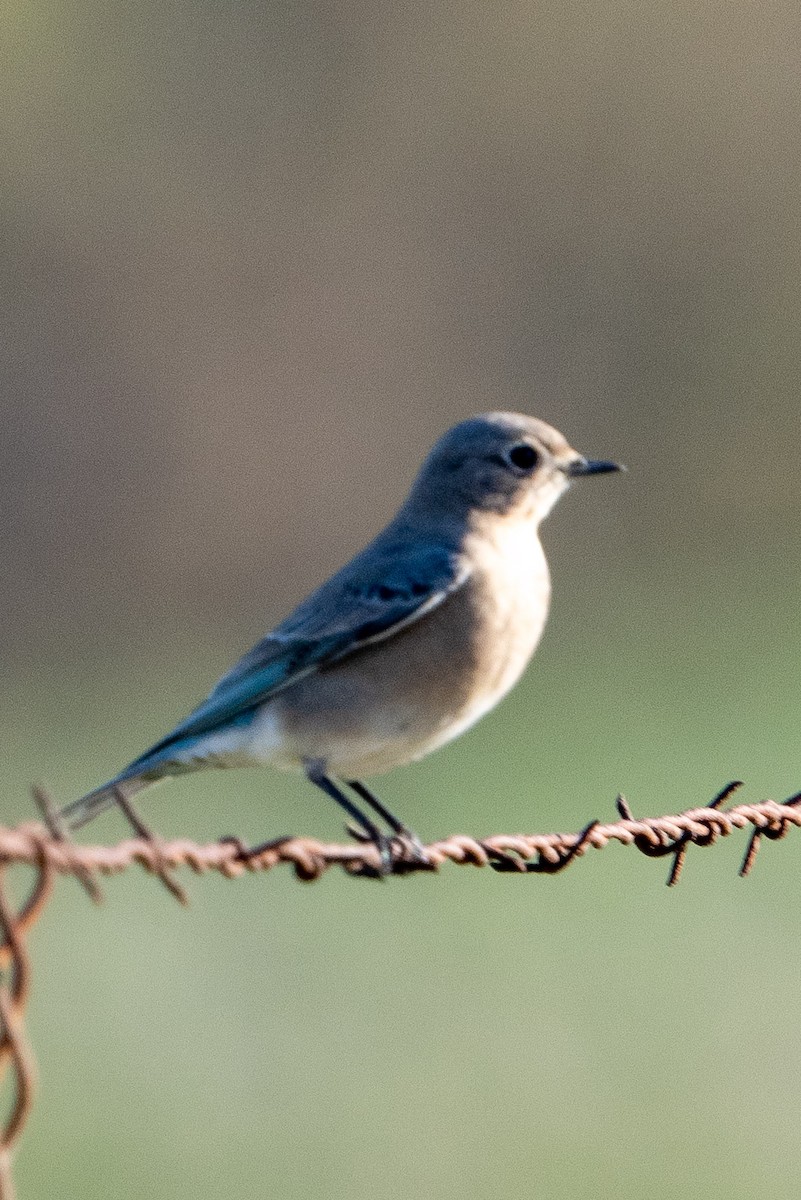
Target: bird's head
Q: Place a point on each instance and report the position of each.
(500, 463)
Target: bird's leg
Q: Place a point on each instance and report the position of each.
(403, 831)
(377, 806)
(316, 775)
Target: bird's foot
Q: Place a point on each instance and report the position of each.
(400, 854)
(383, 845)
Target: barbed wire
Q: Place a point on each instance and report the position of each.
(47, 848)
(34, 844)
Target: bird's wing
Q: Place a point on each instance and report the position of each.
(374, 597)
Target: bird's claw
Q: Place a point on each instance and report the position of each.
(400, 854)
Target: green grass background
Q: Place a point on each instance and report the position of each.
(467, 1034)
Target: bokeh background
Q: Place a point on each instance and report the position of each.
(256, 257)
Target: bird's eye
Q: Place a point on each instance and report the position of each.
(524, 457)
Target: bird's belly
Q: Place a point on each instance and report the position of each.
(399, 699)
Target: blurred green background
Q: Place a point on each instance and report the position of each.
(256, 257)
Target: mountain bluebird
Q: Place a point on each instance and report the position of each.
(407, 646)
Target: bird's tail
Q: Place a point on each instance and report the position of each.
(80, 812)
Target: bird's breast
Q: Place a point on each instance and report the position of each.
(509, 593)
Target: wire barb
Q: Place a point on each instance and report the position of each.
(677, 846)
(774, 831)
(58, 830)
(159, 867)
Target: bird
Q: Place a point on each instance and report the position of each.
(408, 645)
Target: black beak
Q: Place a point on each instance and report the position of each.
(591, 466)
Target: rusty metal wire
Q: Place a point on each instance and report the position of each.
(48, 849)
(15, 1053)
(542, 853)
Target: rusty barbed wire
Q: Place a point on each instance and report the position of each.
(543, 853)
(47, 848)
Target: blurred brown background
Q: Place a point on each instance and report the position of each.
(257, 256)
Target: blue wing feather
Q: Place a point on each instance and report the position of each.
(349, 612)
(391, 584)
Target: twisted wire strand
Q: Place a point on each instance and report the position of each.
(15, 1052)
